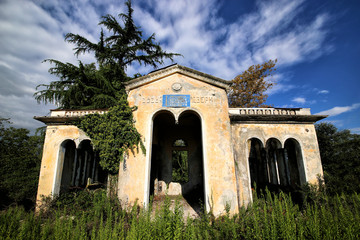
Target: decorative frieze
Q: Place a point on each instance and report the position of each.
(269, 111)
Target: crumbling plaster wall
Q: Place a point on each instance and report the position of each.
(211, 104)
(304, 133)
(51, 164)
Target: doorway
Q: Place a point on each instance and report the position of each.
(177, 157)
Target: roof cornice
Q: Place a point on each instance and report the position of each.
(276, 118)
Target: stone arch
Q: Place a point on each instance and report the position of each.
(84, 164)
(161, 119)
(163, 111)
(64, 163)
(294, 159)
(195, 189)
(192, 111)
(77, 166)
(168, 127)
(257, 163)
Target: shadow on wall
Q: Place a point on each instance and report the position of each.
(275, 167)
(80, 167)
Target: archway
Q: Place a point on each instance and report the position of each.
(177, 157)
(66, 158)
(295, 162)
(78, 167)
(257, 163)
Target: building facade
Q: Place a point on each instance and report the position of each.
(196, 145)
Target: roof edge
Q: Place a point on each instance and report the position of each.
(275, 118)
(176, 68)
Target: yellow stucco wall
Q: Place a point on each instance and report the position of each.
(51, 168)
(210, 103)
(225, 143)
(304, 134)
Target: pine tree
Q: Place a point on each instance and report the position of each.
(100, 85)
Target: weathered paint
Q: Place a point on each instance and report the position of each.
(304, 134)
(225, 138)
(51, 166)
(210, 103)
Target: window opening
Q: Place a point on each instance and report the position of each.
(180, 169)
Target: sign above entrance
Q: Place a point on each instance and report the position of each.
(176, 101)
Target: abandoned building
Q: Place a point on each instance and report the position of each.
(196, 146)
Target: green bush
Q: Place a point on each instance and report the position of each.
(20, 158)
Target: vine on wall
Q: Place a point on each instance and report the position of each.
(112, 134)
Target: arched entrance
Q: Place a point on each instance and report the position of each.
(77, 167)
(257, 163)
(177, 157)
(295, 161)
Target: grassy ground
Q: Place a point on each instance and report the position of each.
(91, 215)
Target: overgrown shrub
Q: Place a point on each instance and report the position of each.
(20, 158)
(274, 216)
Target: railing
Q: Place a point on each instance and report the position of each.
(269, 111)
(74, 113)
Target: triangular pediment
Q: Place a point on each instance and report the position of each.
(173, 69)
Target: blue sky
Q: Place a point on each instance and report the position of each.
(316, 43)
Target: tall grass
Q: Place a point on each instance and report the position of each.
(94, 216)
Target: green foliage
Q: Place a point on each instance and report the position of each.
(340, 156)
(79, 87)
(269, 217)
(101, 85)
(180, 168)
(20, 158)
(112, 134)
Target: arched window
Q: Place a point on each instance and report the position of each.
(67, 157)
(78, 167)
(180, 165)
(294, 160)
(257, 163)
(84, 165)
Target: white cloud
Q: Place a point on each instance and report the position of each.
(226, 50)
(32, 31)
(323, 92)
(281, 83)
(300, 100)
(355, 130)
(29, 35)
(339, 110)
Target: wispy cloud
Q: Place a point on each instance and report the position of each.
(355, 130)
(223, 49)
(323, 92)
(281, 83)
(300, 100)
(339, 110)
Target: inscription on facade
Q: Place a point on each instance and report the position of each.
(176, 101)
(202, 99)
(151, 99)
